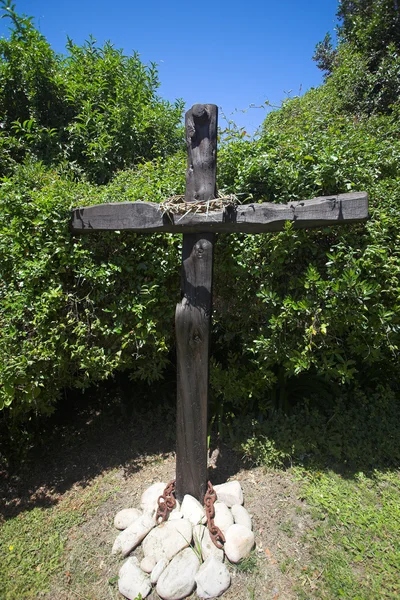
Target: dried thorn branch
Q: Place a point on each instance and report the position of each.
(175, 205)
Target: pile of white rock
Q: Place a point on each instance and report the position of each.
(179, 554)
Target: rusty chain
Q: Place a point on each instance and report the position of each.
(216, 534)
(167, 502)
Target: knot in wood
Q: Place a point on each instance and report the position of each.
(200, 113)
(201, 248)
(197, 337)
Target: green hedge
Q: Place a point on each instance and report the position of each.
(93, 110)
(323, 304)
(76, 309)
(296, 313)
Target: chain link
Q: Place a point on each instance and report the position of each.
(216, 534)
(166, 503)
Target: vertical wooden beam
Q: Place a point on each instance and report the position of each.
(193, 313)
(201, 141)
(192, 322)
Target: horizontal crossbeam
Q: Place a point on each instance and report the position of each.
(147, 217)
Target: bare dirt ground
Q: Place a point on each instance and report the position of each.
(279, 521)
(122, 458)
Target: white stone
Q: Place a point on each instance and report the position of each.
(241, 516)
(201, 537)
(192, 510)
(175, 515)
(239, 542)
(168, 539)
(126, 517)
(132, 581)
(128, 539)
(176, 512)
(230, 493)
(223, 516)
(212, 578)
(148, 563)
(158, 569)
(149, 499)
(177, 580)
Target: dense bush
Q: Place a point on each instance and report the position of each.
(321, 302)
(371, 25)
(298, 314)
(363, 72)
(75, 310)
(317, 309)
(93, 110)
(357, 435)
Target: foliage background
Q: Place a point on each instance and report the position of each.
(305, 324)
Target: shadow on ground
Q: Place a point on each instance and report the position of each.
(126, 425)
(119, 424)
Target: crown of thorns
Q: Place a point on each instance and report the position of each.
(176, 205)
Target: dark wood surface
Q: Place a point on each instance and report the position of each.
(193, 313)
(192, 324)
(201, 142)
(249, 218)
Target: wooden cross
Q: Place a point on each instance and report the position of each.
(193, 313)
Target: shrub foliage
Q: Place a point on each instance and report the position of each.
(93, 110)
(297, 314)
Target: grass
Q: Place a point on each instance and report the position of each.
(356, 539)
(32, 544)
(354, 544)
(287, 527)
(352, 551)
(247, 565)
(286, 564)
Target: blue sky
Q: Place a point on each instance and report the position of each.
(230, 53)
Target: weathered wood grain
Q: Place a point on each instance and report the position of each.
(201, 143)
(146, 217)
(192, 330)
(193, 313)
